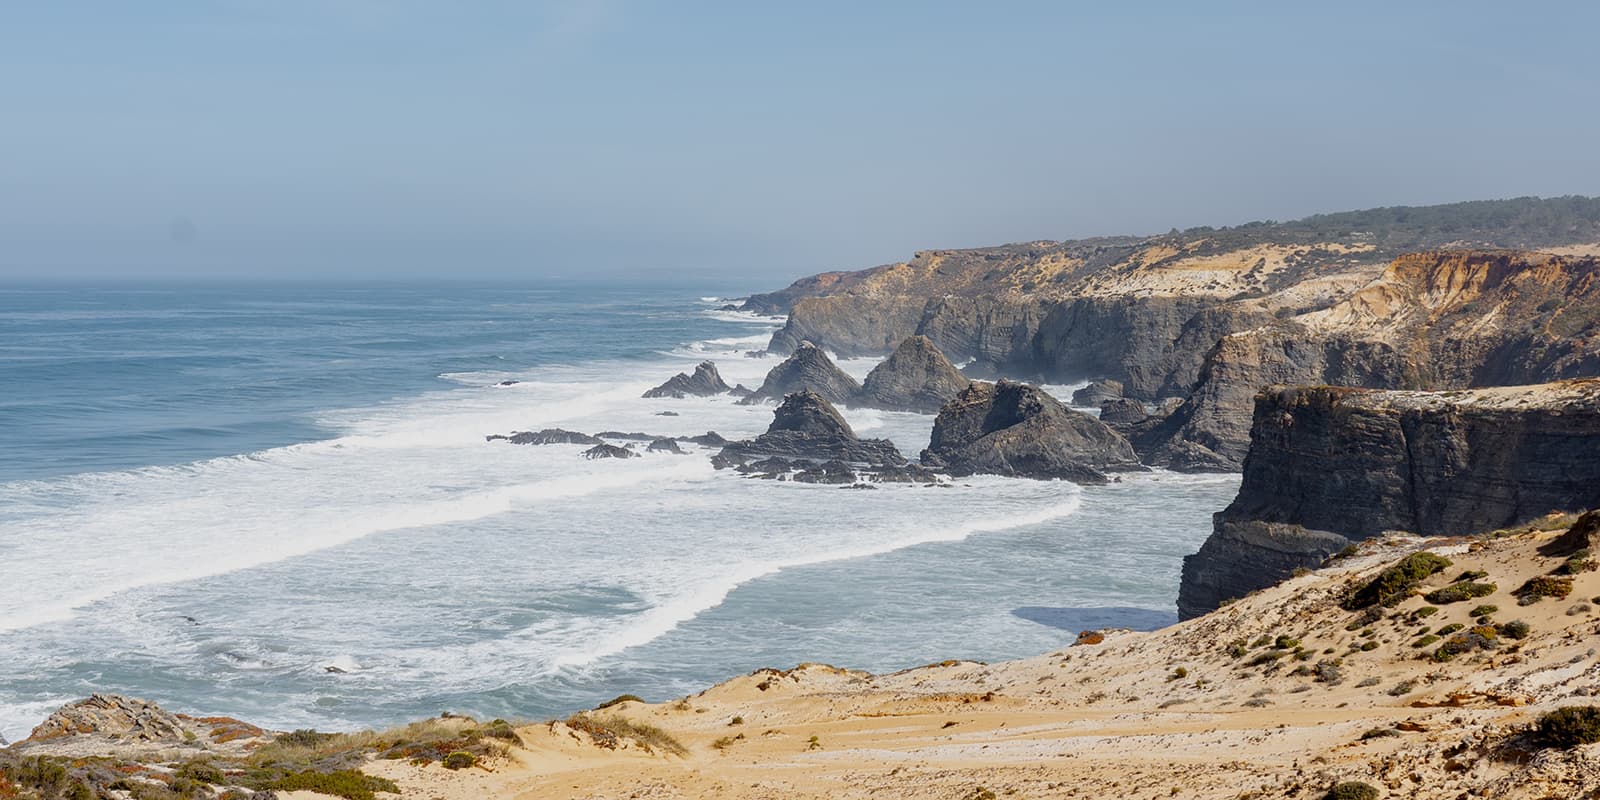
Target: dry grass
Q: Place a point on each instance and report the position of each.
(610, 732)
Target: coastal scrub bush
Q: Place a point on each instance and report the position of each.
(1424, 612)
(1480, 638)
(460, 759)
(1541, 587)
(1353, 790)
(1286, 643)
(619, 700)
(1470, 575)
(1425, 641)
(1483, 610)
(1568, 726)
(1459, 592)
(347, 783)
(1451, 628)
(1515, 629)
(201, 772)
(1378, 733)
(304, 737)
(1402, 688)
(1577, 564)
(1393, 584)
(609, 733)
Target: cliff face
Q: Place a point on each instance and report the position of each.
(1327, 466)
(1433, 320)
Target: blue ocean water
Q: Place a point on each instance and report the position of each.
(210, 495)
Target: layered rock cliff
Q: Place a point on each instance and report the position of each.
(1327, 466)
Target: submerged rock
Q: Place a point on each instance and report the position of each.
(915, 377)
(807, 369)
(665, 446)
(546, 436)
(705, 382)
(1328, 466)
(707, 439)
(807, 426)
(831, 472)
(1009, 428)
(629, 437)
(608, 451)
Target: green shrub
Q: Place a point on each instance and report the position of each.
(1577, 564)
(618, 700)
(1568, 726)
(201, 772)
(460, 759)
(1459, 592)
(1353, 790)
(1541, 587)
(1451, 628)
(1378, 733)
(608, 732)
(1178, 674)
(1393, 584)
(1483, 610)
(347, 783)
(1425, 641)
(1479, 638)
(305, 737)
(1369, 646)
(1515, 629)
(1425, 611)
(1286, 643)
(1402, 688)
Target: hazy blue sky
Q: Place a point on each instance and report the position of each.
(360, 138)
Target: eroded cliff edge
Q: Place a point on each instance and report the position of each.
(1328, 466)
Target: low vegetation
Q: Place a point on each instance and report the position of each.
(1543, 586)
(1460, 592)
(1396, 582)
(612, 731)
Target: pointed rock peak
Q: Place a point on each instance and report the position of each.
(808, 368)
(915, 377)
(703, 383)
(811, 413)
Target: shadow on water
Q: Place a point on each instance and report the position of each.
(1082, 619)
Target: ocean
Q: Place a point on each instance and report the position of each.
(276, 502)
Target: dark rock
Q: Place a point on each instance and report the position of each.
(665, 446)
(827, 472)
(707, 439)
(546, 436)
(1328, 466)
(910, 473)
(1123, 411)
(666, 413)
(807, 369)
(1583, 535)
(807, 426)
(705, 382)
(915, 377)
(725, 459)
(629, 437)
(1015, 429)
(333, 670)
(741, 391)
(608, 451)
(508, 383)
(1097, 393)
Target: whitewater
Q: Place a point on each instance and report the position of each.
(378, 560)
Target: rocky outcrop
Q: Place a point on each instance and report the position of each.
(705, 382)
(915, 377)
(546, 436)
(111, 715)
(807, 369)
(603, 450)
(665, 446)
(1123, 411)
(1434, 320)
(1328, 466)
(807, 426)
(1098, 391)
(1009, 428)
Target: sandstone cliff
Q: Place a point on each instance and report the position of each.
(1328, 466)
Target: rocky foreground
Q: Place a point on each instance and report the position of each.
(1420, 668)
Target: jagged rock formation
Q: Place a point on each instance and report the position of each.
(111, 715)
(604, 450)
(546, 436)
(665, 446)
(806, 369)
(1097, 392)
(1329, 465)
(1433, 320)
(1123, 411)
(807, 426)
(1009, 428)
(915, 377)
(707, 439)
(705, 382)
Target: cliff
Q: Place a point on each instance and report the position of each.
(1328, 466)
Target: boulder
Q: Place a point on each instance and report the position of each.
(665, 446)
(807, 369)
(112, 715)
(829, 472)
(705, 382)
(915, 377)
(807, 426)
(546, 436)
(608, 451)
(1123, 411)
(1009, 428)
(1097, 393)
(707, 439)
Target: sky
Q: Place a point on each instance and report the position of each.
(372, 139)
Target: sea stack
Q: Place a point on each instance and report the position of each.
(807, 369)
(705, 382)
(807, 426)
(1328, 466)
(915, 377)
(1010, 428)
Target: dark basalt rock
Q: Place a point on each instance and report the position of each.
(807, 369)
(1123, 411)
(910, 473)
(666, 413)
(807, 426)
(665, 446)
(1015, 429)
(1328, 466)
(608, 451)
(508, 383)
(1097, 393)
(546, 436)
(915, 377)
(705, 382)
(831, 472)
(629, 437)
(707, 439)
